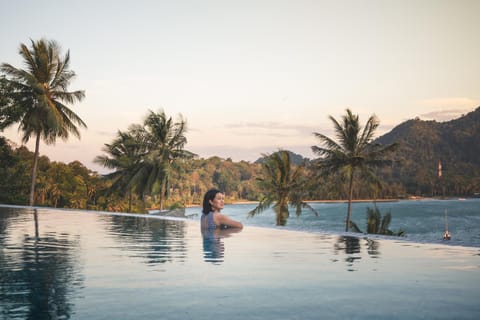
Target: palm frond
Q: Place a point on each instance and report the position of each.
(263, 205)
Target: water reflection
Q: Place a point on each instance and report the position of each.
(39, 272)
(352, 248)
(8, 217)
(154, 240)
(373, 248)
(350, 245)
(213, 246)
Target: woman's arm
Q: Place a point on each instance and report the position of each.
(223, 220)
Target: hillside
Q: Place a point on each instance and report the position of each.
(423, 144)
(295, 158)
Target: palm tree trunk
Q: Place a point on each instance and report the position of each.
(130, 200)
(350, 197)
(35, 217)
(34, 170)
(161, 196)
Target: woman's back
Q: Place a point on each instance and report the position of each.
(207, 221)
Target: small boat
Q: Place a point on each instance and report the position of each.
(446, 234)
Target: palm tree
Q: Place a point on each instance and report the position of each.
(40, 96)
(283, 185)
(164, 143)
(376, 224)
(144, 157)
(353, 151)
(124, 155)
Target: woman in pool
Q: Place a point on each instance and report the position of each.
(213, 203)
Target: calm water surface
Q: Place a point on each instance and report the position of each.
(59, 264)
(423, 221)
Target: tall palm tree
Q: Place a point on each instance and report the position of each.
(353, 151)
(124, 155)
(164, 141)
(283, 185)
(40, 96)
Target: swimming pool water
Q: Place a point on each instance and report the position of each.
(423, 221)
(59, 264)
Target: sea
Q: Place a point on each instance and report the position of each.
(423, 221)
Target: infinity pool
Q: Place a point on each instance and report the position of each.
(59, 264)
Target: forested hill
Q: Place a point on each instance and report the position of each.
(423, 144)
(295, 158)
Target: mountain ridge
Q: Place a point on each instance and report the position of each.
(425, 145)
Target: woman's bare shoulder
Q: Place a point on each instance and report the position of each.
(229, 222)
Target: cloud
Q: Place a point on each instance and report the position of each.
(277, 129)
(448, 108)
(444, 115)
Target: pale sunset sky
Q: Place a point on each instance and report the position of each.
(251, 77)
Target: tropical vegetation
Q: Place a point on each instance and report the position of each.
(282, 184)
(422, 144)
(37, 98)
(123, 157)
(352, 152)
(193, 177)
(144, 158)
(377, 224)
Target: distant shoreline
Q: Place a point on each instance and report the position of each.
(325, 201)
(356, 200)
(413, 198)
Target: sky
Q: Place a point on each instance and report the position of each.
(252, 77)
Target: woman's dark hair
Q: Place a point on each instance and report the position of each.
(210, 195)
